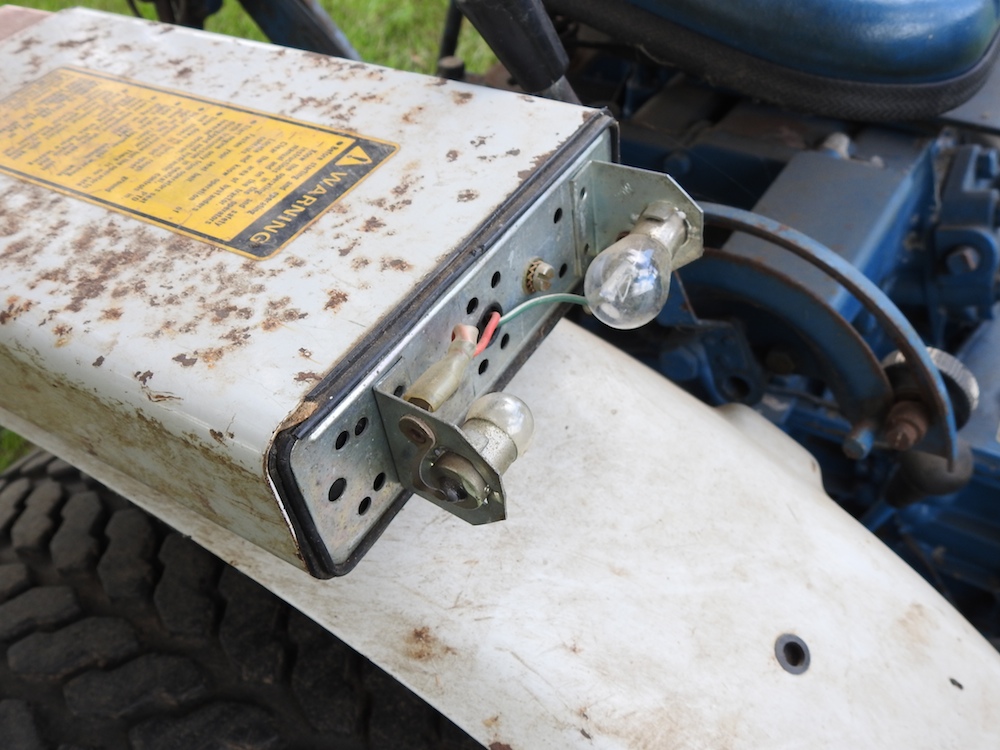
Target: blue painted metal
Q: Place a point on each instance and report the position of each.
(863, 208)
(886, 41)
(819, 344)
(965, 238)
(940, 438)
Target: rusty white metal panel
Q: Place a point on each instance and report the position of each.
(166, 335)
(657, 550)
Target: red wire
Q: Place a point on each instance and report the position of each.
(484, 340)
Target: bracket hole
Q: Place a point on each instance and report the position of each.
(504, 340)
(379, 482)
(398, 391)
(473, 304)
(342, 439)
(557, 216)
(583, 193)
(365, 505)
(792, 653)
(337, 489)
(360, 426)
(495, 281)
(485, 318)
(484, 366)
(562, 270)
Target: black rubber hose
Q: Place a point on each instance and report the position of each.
(521, 34)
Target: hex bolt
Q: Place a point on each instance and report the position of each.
(906, 425)
(838, 144)
(859, 441)
(538, 276)
(962, 259)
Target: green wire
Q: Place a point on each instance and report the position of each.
(574, 299)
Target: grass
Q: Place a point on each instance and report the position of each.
(394, 33)
(12, 447)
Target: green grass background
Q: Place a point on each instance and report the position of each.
(402, 34)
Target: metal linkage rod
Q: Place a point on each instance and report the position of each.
(873, 299)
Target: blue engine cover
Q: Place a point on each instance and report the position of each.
(879, 41)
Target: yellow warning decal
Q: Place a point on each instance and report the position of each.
(244, 180)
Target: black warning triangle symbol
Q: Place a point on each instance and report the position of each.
(356, 155)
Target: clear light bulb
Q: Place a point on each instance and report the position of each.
(627, 283)
(507, 412)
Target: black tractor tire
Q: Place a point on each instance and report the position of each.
(117, 632)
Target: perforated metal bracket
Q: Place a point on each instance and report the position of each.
(617, 194)
(434, 459)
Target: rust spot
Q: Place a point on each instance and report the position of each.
(492, 721)
(211, 356)
(372, 223)
(586, 734)
(513, 152)
(217, 436)
(461, 97)
(302, 412)
(71, 43)
(451, 155)
(239, 336)
(335, 299)
(358, 263)
(144, 377)
(412, 116)
(27, 44)
(183, 73)
(404, 187)
(308, 377)
(305, 353)
(396, 264)
(467, 195)
(500, 746)
(112, 313)
(15, 307)
(422, 645)
(535, 164)
(478, 141)
(914, 626)
(98, 362)
(221, 313)
(185, 360)
(344, 251)
(62, 331)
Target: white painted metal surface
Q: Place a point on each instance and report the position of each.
(656, 551)
(160, 351)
